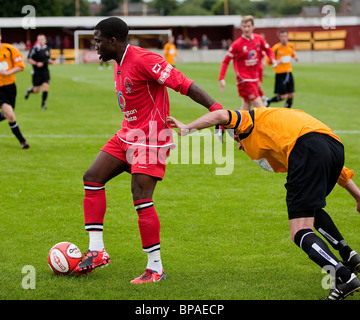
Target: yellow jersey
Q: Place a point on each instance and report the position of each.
(10, 57)
(170, 52)
(284, 54)
(274, 135)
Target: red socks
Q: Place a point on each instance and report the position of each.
(149, 224)
(94, 206)
(94, 212)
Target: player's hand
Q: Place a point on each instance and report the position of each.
(40, 64)
(240, 145)
(222, 85)
(174, 123)
(3, 72)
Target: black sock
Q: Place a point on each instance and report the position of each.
(2, 117)
(327, 228)
(275, 99)
(16, 131)
(288, 103)
(44, 96)
(319, 252)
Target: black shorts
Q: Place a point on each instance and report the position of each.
(284, 83)
(39, 77)
(314, 167)
(8, 94)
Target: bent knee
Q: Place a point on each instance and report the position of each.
(89, 176)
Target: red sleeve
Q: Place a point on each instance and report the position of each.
(266, 47)
(157, 69)
(225, 63)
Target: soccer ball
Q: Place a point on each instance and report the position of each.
(64, 257)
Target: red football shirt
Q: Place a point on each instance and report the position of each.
(141, 79)
(246, 54)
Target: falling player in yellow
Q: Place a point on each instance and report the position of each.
(170, 51)
(288, 140)
(284, 81)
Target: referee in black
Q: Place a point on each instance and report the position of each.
(39, 56)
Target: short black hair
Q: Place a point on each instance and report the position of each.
(283, 31)
(113, 27)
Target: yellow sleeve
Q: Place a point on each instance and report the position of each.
(234, 119)
(345, 175)
(293, 52)
(17, 57)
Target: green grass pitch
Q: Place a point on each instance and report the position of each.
(223, 237)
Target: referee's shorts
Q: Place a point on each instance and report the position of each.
(314, 167)
(39, 77)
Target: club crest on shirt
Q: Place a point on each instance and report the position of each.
(121, 101)
(252, 54)
(128, 84)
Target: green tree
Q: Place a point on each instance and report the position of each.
(43, 8)
(191, 8)
(164, 7)
(69, 8)
(108, 5)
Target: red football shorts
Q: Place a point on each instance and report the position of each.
(249, 90)
(141, 159)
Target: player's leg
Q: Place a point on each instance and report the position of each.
(104, 168)
(36, 84)
(45, 90)
(303, 236)
(7, 112)
(327, 228)
(290, 88)
(279, 90)
(289, 100)
(142, 187)
(257, 103)
(33, 89)
(245, 105)
(249, 92)
(309, 181)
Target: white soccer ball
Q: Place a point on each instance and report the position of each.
(64, 257)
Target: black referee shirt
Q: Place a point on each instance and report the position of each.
(40, 55)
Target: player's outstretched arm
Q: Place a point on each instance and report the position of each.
(206, 121)
(200, 96)
(353, 189)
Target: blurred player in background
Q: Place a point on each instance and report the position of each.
(246, 52)
(283, 140)
(39, 56)
(11, 62)
(284, 81)
(170, 51)
(140, 147)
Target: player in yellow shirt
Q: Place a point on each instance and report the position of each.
(292, 141)
(284, 81)
(170, 51)
(11, 62)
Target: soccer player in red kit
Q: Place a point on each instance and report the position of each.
(246, 52)
(140, 147)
